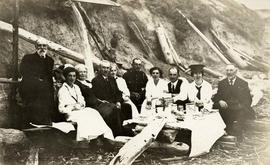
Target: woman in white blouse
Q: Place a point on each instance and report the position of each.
(122, 86)
(90, 124)
(155, 89)
(199, 91)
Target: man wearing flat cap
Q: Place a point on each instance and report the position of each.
(36, 88)
(199, 91)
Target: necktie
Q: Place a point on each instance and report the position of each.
(172, 88)
(199, 92)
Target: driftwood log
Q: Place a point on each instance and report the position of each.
(228, 50)
(261, 65)
(91, 30)
(100, 2)
(61, 50)
(87, 50)
(164, 45)
(220, 55)
(133, 26)
(138, 144)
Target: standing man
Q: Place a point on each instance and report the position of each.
(136, 81)
(177, 87)
(36, 88)
(233, 99)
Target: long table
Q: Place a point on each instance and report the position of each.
(206, 129)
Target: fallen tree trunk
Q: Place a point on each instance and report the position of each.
(229, 52)
(140, 37)
(256, 63)
(87, 51)
(164, 45)
(220, 55)
(213, 72)
(138, 144)
(61, 50)
(91, 30)
(100, 2)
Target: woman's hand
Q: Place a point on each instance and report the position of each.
(199, 103)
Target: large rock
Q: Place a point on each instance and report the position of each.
(12, 136)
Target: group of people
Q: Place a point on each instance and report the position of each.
(101, 105)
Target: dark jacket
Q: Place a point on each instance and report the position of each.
(36, 87)
(237, 96)
(89, 96)
(136, 80)
(106, 89)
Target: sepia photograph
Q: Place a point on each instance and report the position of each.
(134, 82)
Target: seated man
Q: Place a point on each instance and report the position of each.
(106, 90)
(107, 110)
(233, 99)
(177, 87)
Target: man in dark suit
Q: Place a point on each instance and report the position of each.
(108, 111)
(177, 87)
(36, 88)
(106, 90)
(233, 99)
(136, 81)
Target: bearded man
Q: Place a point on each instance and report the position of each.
(36, 88)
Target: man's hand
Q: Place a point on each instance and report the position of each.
(118, 105)
(223, 104)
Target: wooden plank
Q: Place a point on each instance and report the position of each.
(220, 55)
(177, 148)
(100, 2)
(138, 144)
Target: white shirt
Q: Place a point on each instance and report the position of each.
(69, 96)
(183, 90)
(155, 91)
(122, 85)
(206, 93)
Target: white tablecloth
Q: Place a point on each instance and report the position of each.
(205, 131)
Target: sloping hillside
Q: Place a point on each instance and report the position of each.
(239, 26)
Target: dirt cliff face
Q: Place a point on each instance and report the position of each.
(234, 23)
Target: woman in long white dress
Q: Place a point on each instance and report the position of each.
(90, 124)
(155, 89)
